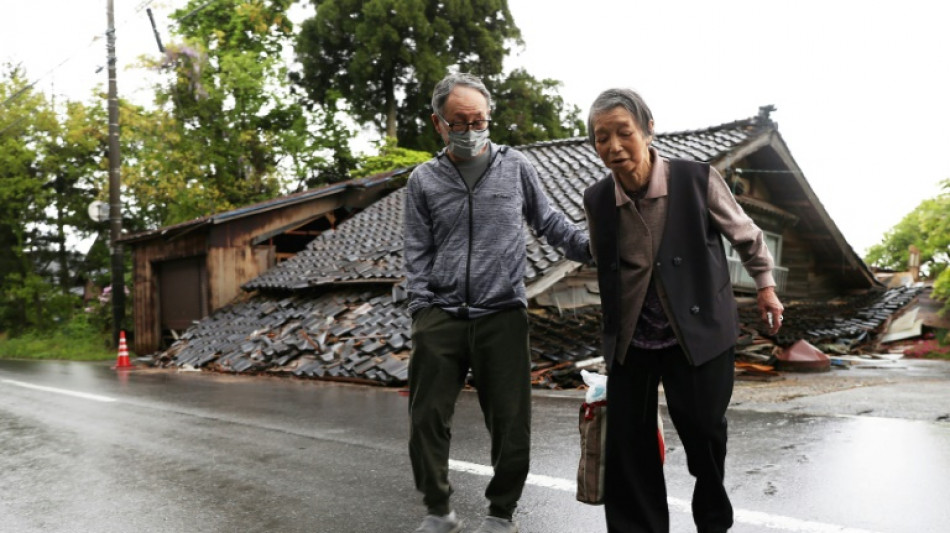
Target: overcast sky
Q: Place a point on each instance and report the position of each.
(862, 88)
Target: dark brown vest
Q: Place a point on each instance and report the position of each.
(690, 264)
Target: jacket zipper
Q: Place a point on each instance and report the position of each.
(471, 229)
(468, 260)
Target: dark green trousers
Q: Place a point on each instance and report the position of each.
(495, 348)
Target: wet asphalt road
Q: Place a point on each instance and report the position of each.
(86, 449)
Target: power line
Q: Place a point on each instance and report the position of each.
(144, 4)
(12, 124)
(23, 89)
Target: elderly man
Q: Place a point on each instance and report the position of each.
(669, 314)
(465, 261)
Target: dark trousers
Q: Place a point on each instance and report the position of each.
(495, 347)
(697, 397)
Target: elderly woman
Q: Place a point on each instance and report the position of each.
(669, 314)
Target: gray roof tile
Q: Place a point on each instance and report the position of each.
(364, 335)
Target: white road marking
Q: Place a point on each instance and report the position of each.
(754, 518)
(83, 395)
(533, 479)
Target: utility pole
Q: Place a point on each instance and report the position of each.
(115, 200)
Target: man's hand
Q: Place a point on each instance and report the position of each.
(770, 309)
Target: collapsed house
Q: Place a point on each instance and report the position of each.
(184, 272)
(336, 309)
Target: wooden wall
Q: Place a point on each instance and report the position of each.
(797, 258)
(231, 267)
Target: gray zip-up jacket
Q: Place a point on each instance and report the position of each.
(465, 250)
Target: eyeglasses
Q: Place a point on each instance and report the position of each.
(462, 127)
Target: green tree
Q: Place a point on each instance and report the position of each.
(390, 157)
(528, 110)
(928, 228)
(221, 95)
(321, 150)
(47, 166)
(384, 56)
(71, 165)
(229, 128)
(24, 116)
(164, 176)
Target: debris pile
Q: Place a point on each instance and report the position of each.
(348, 335)
(564, 344)
(357, 335)
(363, 335)
(843, 330)
(852, 321)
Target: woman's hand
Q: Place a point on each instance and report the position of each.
(770, 309)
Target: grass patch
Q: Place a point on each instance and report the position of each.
(55, 346)
(76, 340)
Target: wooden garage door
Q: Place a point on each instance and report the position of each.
(183, 292)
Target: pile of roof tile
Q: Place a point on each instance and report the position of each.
(349, 334)
(364, 335)
(354, 335)
(562, 344)
(853, 322)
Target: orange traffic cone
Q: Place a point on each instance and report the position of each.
(123, 362)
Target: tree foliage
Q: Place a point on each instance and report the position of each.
(228, 116)
(323, 154)
(72, 163)
(164, 178)
(928, 228)
(390, 157)
(49, 161)
(528, 110)
(229, 128)
(385, 56)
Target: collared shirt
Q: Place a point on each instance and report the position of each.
(642, 223)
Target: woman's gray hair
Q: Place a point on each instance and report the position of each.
(625, 98)
(442, 90)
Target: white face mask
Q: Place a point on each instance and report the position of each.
(468, 144)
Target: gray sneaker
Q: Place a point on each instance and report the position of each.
(440, 524)
(493, 524)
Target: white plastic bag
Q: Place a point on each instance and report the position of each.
(597, 392)
(596, 386)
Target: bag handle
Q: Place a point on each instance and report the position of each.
(589, 408)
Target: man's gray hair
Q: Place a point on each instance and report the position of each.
(442, 90)
(625, 98)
